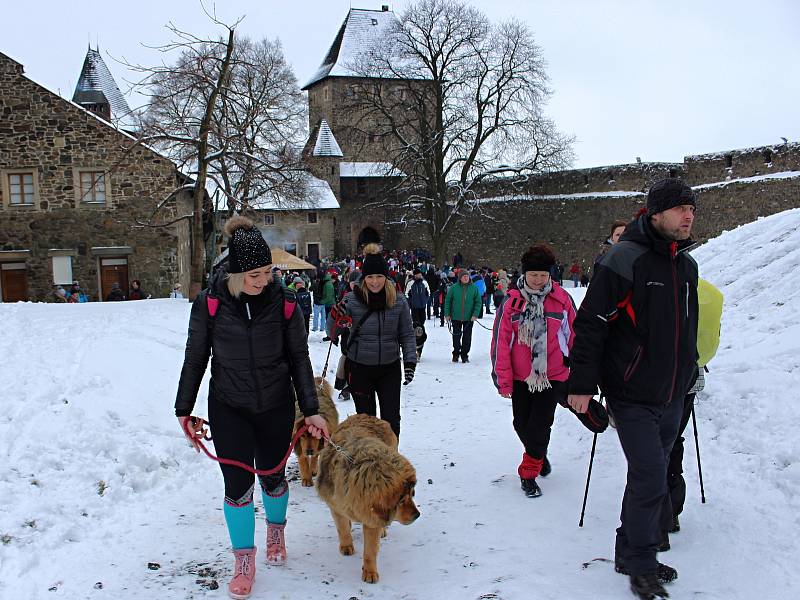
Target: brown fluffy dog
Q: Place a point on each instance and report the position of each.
(372, 484)
(308, 447)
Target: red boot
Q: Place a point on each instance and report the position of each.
(244, 573)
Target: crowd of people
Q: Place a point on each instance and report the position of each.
(634, 338)
(75, 293)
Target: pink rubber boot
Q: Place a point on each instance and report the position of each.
(276, 544)
(244, 573)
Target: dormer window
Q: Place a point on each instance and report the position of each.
(374, 21)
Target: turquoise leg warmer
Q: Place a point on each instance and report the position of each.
(241, 521)
(275, 504)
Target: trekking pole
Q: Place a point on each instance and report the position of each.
(697, 448)
(327, 358)
(588, 477)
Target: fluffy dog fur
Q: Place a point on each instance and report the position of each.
(372, 485)
(308, 447)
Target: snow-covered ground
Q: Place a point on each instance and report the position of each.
(102, 498)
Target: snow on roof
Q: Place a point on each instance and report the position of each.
(781, 175)
(361, 30)
(368, 169)
(96, 79)
(326, 144)
(583, 195)
(319, 197)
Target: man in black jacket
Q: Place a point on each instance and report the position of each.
(636, 337)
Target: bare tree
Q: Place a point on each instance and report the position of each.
(455, 100)
(229, 112)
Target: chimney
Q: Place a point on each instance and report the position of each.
(385, 8)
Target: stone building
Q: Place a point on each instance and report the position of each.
(571, 209)
(74, 189)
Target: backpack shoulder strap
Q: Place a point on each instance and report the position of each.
(212, 304)
(289, 302)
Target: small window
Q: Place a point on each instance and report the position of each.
(312, 217)
(361, 185)
(374, 21)
(291, 248)
(20, 189)
(767, 156)
(269, 219)
(326, 93)
(93, 186)
(672, 173)
(333, 170)
(728, 160)
(62, 270)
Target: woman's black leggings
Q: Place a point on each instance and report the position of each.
(533, 415)
(249, 437)
(384, 380)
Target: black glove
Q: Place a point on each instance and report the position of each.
(408, 370)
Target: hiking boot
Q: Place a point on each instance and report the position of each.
(465, 359)
(664, 545)
(455, 357)
(344, 395)
(676, 525)
(664, 573)
(647, 587)
(244, 572)
(530, 487)
(326, 339)
(276, 544)
(546, 468)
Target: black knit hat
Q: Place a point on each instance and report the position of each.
(247, 248)
(669, 193)
(373, 261)
(538, 258)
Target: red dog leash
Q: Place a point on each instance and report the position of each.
(241, 465)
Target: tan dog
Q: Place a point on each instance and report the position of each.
(372, 484)
(308, 447)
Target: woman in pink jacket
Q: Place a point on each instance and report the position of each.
(531, 341)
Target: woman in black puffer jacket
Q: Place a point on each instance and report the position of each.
(381, 324)
(259, 358)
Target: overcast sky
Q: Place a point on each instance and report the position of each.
(657, 79)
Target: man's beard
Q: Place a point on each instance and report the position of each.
(674, 235)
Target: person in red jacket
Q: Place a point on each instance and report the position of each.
(531, 342)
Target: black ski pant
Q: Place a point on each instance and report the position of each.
(247, 436)
(365, 381)
(533, 415)
(675, 480)
(462, 338)
(418, 316)
(647, 434)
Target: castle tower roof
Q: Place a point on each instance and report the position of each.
(326, 144)
(96, 86)
(360, 31)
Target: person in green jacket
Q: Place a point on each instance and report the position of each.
(328, 298)
(461, 307)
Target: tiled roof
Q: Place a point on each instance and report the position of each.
(96, 83)
(326, 144)
(359, 32)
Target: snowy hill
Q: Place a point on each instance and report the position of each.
(96, 482)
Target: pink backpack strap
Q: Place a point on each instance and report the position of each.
(288, 308)
(213, 304)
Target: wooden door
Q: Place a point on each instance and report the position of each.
(113, 270)
(313, 252)
(14, 284)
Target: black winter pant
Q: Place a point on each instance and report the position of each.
(675, 481)
(462, 338)
(647, 434)
(242, 435)
(533, 415)
(418, 316)
(365, 381)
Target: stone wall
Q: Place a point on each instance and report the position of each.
(54, 139)
(748, 162)
(293, 227)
